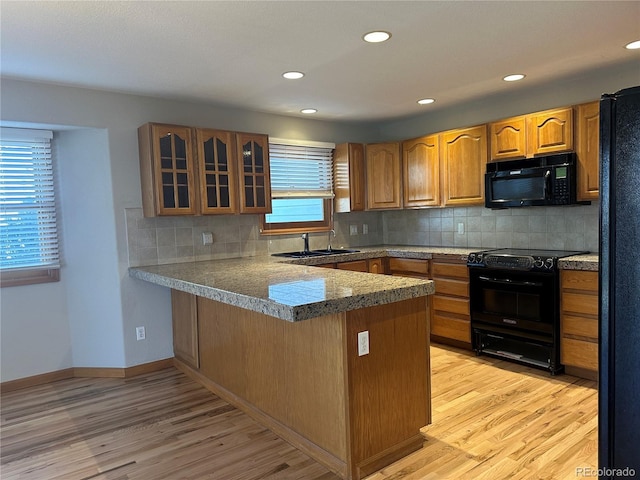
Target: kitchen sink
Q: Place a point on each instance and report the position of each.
(313, 253)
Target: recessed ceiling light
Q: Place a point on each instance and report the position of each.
(293, 75)
(514, 78)
(426, 101)
(308, 110)
(376, 37)
(633, 45)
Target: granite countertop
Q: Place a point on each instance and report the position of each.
(293, 289)
(283, 289)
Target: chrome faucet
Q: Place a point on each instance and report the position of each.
(305, 237)
(329, 240)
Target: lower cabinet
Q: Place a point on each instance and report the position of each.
(579, 322)
(450, 316)
(371, 265)
(184, 313)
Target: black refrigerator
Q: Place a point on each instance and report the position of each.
(619, 378)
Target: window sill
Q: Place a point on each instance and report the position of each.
(9, 278)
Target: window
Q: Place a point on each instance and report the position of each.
(301, 187)
(28, 233)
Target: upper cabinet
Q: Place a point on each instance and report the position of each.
(508, 138)
(255, 182)
(550, 131)
(348, 177)
(464, 158)
(588, 150)
(421, 171)
(167, 170)
(193, 171)
(217, 167)
(383, 176)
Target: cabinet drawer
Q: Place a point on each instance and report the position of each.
(580, 326)
(458, 288)
(579, 303)
(354, 266)
(579, 280)
(453, 328)
(449, 270)
(578, 353)
(409, 265)
(452, 305)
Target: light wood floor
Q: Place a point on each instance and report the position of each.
(491, 420)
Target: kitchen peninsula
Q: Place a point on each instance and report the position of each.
(336, 362)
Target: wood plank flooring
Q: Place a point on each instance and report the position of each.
(491, 420)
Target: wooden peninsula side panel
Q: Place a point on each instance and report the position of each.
(305, 381)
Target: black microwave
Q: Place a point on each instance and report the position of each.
(546, 180)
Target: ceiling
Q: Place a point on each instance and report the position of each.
(233, 53)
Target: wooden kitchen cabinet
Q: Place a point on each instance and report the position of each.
(550, 131)
(184, 312)
(464, 158)
(217, 169)
(545, 132)
(167, 170)
(383, 176)
(588, 150)
(371, 265)
(376, 265)
(194, 171)
(450, 315)
(579, 322)
(255, 182)
(421, 171)
(349, 178)
(508, 138)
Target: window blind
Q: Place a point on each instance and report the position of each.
(28, 232)
(300, 170)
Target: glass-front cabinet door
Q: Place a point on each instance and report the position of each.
(174, 170)
(253, 162)
(217, 171)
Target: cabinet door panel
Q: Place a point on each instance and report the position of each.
(588, 151)
(457, 288)
(464, 156)
(450, 304)
(217, 168)
(253, 163)
(508, 138)
(383, 176)
(173, 190)
(421, 171)
(550, 131)
(184, 312)
(348, 177)
(450, 270)
(579, 354)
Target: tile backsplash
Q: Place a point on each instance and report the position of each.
(553, 228)
(160, 240)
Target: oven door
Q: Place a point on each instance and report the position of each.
(510, 301)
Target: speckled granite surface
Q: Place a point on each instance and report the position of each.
(579, 262)
(293, 290)
(283, 290)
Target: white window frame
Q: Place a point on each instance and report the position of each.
(28, 254)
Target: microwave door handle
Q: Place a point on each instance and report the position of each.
(547, 185)
(506, 281)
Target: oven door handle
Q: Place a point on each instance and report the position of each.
(506, 281)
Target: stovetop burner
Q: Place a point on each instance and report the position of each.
(520, 258)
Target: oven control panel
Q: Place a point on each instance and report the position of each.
(511, 262)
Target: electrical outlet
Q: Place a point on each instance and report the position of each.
(353, 229)
(140, 333)
(363, 343)
(207, 238)
(365, 229)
